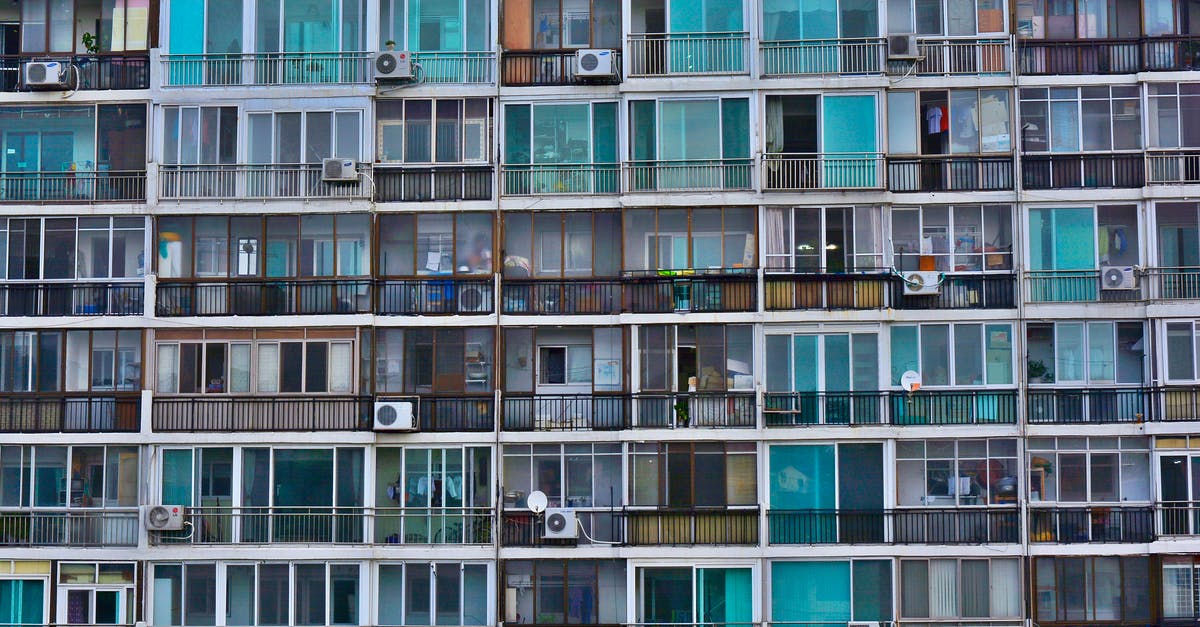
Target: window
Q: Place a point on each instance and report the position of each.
(700, 594)
(98, 594)
(966, 588)
(831, 239)
(963, 121)
(1089, 470)
(564, 357)
(48, 26)
(24, 601)
(1079, 238)
(200, 135)
(673, 239)
(1178, 246)
(840, 591)
(1074, 589)
(1180, 587)
(946, 17)
(953, 354)
(699, 131)
(797, 20)
(962, 238)
(578, 592)
(435, 25)
(100, 476)
(815, 479)
(560, 133)
(39, 361)
(1183, 351)
(1081, 119)
(562, 244)
(1173, 114)
(952, 473)
(433, 131)
(303, 137)
(829, 362)
(696, 357)
(1085, 353)
(246, 365)
(432, 495)
(435, 244)
(570, 475)
(558, 24)
(1085, 19)
(691, 474)
(810, 124)
(434, 361)
(433, 593)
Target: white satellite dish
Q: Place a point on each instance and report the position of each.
(537, 501)
(910, 381)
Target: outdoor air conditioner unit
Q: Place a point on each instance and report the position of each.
(472, 299)
(903, 47)
(163, 517)
(393, 65)
(395, 415)
(561, 524)
(1117, 278)
(46, 74)
(594, 63)
(922, 284)
(336, 169)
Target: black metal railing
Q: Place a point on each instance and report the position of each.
(74, 412)
(72, 299)
(1083, 171)
(673, 291)
(945, 173)
(560, 296)
(1176, 403)
(962, 291)
(677, 410)
(671, 526)
(442, 295)
(966, 525)
(1110, 56)
(418, 183)
(73, 186)
(786, 409)
(566, 412)
(69, 527)
(1094, 523)
(944, 407)
(261, 413)
(1105, 404)
(526, 68)
(524, 529)
(333, 525)
(819, 290)
(117, 70)
(263, 297)
(457, 413)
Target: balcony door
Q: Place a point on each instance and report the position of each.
(699, 595)
(705, 36)
(850, 141)
(95, 606)
(1179, 481)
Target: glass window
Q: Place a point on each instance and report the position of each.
(1089, 470)
(667, 239)
(976, 355)
(425, 131)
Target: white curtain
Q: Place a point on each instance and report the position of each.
(777, 239)
(1006, 588)
(943, 588)
(168, 369)
(341, 367)
(268, 368)
(774, 130)
(239, 368)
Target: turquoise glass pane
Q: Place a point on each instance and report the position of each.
(724, 595)
(604, 132)
(687, 16)
(860, 18)
(21, 602)
(643, 112)
(810, 592)
(1074, 239)
(818, 19)
(865, 361)
(177, 477)
(516, 134)
(802, 477)
(303, 477)
(849, 141)
(904, 351)
(187, 27)
(435, 25)
(478, 25)
(735, 128)
(804, 363)
(873, 590)
(310, 26)
(837, 363)
(781, 20)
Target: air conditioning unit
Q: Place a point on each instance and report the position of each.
(594, 63)
(46, 74)
(903, 47)
(1118, 278)
(393, 65)
(473, 299)
(561, 524)
(163, 517)
(396, 414)
(336, 169)
(922, 283)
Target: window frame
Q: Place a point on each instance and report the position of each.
(1086, 361)
(29, 465)
(481, 126)
(659, 453)
(433, 601)
(947, 260)
(522, 459)
(1056, 591)
(652, 241)
(1038, 472)
(1194, 346)
(336, 142)
(672, 346)
(986, 328)
(173, 143)
(416, 344)
(789, 262)
(957, 469)
(255, 366)
(1027, 96)
(958, 581)
(410, 223)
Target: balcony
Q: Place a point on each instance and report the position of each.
(1177, 403)
(1173, 167)
(560, 178)
(429, 183)
(523, 529)
(263, 297)
(957, 57)
(1071, 525)
(267, 68)
(787, 409)
(1110, 56)
(797, 172)
(822, 57)
(566, 412)
(444, 295)
(1083, 171)
(938, 407)
(64, 527)
(679, 410)
(256, 182)
(72, 186)
(1178, 518)
(118, 70)
(530, 68)
(560, 296)
(666, 291)
(261, 413)
(819, 290)
(469, 68)
(943, 173)
(379, 526)
(71, 299)
(967, 525)
(1090, 405)
(671, 526)
(962, 291)
(692, 175)
(1074, 286)
(688, 54)
(71, 412)
(445, 413)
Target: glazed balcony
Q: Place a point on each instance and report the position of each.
(523, 529)
(263, 297)
(561, 296)
(679, 410)
(959, 407)
(541, 68)
(822, 57)
(1173, 167)
(1083, 171)
(435, 296)
(798, 172)
(74, 298)
(566, 412)
(787, 409)
(1093, 523)
(966, 525)
(541, 179)
(64, 527)
(1074, 286)
(820, 290)
(453, 413)
(986, 56)
(461, 68)
(1105, 404)
(378, 526)
(71, 412)
(257, 182)
(102, 71)
(1110, 56)
(267, 68)
(683, 526)
(73, 186)
(688, 54)
(945, 173)
(665, 291)
(962, 291)
(395, 183)
(691, 175)
(220, 412)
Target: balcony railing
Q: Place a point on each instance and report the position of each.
(267, 68)
(655, 527)
(1178, 518)
(678, 410)
(689, 175)
(786, 409)
(521, 528)
(1173, 166)
(822, 56)
(261, 413)
(1074, 286)
(1110, 56)
(381, 526)
(560, 178)
(256, 182)
(457, 413)
(425, 183)
(443, 295)
(682, 54)
(797, 171)
(967, 525)
(73, 412)
(1083, 171)
(263, 297)
(72, 186)
(455, 67)
(1093, 523)
(1177, 403)
(75, 298)
(118, 70)
(1104, 404)
(944, 173)
(528, 68)
(962, 291)
(665, 291)
(943, 407)
(959, 57)
(566, 412)
(819, 290)
(69, 527)
(560, 296)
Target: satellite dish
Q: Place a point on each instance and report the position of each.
(537, 501)
(910, 381)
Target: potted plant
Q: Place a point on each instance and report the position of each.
(90, 43)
